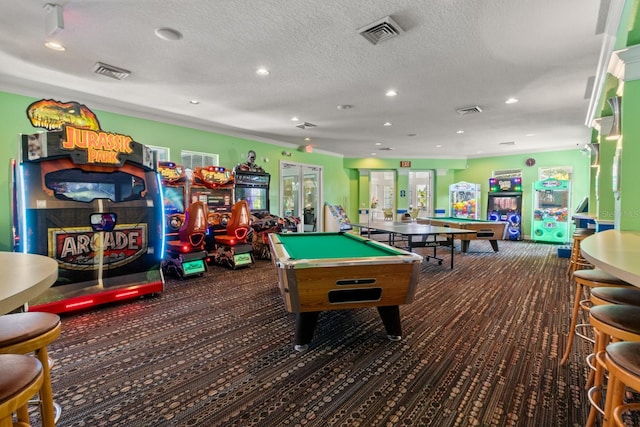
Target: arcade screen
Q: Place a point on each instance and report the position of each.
(255, 197)
(216, 199)
(173, 200)
(508, 203)
(83, 186)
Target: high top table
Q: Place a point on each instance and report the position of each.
(24, 277)
(616, 252)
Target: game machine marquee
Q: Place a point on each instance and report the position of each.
(90, 200)
(464, 200)
(551, 211)
(185, 224)
(504, 203)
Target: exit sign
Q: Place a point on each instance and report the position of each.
(405, 163)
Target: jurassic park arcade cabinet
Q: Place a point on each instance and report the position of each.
(92, 201)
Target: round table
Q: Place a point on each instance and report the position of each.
(616, 252)
(24, 277)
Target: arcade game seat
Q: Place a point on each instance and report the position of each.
(232, 249)
(186, 257)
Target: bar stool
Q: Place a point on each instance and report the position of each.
(20, 378)
(623, 295)
(611, 323)
(623, 361)
(576, 260)
(25, 333)
(590, 279)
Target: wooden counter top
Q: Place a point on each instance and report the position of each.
(616, 252)
(24, 277)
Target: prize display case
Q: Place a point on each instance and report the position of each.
(551, 201)
(504, 203)
(464, 200)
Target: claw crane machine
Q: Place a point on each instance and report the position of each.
(551, 201)
(464, 200)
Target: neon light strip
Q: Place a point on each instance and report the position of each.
(162, 218)
(79, 304)
(22, 208)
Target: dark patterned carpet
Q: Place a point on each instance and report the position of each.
(480, 347)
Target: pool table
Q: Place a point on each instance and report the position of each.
(340, 271)
(485, 230)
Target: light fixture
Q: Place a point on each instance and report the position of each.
(387, 124)
(168, 34)
(344, 107)
(55, 46)
(391, 92)
(286, 153)
(460, 132)
(614, 133)
(594, 149)
(194, 102)
(295, 119)
(262, 71)
(511, 101)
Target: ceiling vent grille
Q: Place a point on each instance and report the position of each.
(305, 125)
(507, 143)
(110, 71)
(469, 110)
(386, 149)
(381, 30)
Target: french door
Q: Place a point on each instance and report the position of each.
(301, 195)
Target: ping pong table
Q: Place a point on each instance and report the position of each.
(414, 235)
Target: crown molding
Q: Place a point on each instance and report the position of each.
(625, 63)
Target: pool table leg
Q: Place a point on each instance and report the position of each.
(494, 245)
(464, 245)
(305, 325)
(390, 316)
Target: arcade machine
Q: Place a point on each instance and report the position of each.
(91, 200)
(186, 225)
(227, 236)
(551, 211)
(253, 186)
(504, 203)
(464, 200)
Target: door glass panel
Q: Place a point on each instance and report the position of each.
(301, 187)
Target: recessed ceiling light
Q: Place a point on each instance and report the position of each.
(530, 134)
(438, 146)
(194, 102)
(374, 154)
(378, 143)
(307, 139)
(295, 119)
(460, 131)
(511, 101)
(262, 71)
(391, 92)
(387, 124)
(344, 107)
(168, 34)
(55, 46)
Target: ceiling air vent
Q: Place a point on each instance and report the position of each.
(386, 149)
(507, 143)
(469, 110)
(305, 125)
(381, 30)
(110, 71)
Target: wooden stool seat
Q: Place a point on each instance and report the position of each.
(626, 295)
(20, 378)
(612, 323)
(587, 279)
(623, 362)
(25, 333)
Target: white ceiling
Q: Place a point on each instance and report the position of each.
(452, 54)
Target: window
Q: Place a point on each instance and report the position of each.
(191, 159)
(162, 153)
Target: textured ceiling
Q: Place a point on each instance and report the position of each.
(451, 54)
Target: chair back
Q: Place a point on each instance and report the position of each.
(238, 225)
(194, 228)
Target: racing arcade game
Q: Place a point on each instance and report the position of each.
(186, 225)
(91, 200)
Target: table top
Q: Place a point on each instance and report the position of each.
(412, 228)
(616, 252)
(452, 219)
(332, 249)
(24, 277)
